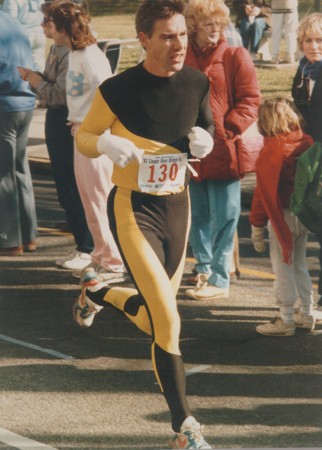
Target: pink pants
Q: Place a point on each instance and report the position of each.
(93, 177)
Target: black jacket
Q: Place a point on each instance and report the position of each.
(309, 106)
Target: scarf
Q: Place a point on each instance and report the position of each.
(310, 70)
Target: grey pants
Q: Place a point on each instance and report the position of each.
(291, 280)
(18, 223)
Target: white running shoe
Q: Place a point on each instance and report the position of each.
(276, 328)
(78, 272)
(74, 261)
(206, 291)
(84, 309)
(190, 436)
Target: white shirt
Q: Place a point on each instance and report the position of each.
(87, 69)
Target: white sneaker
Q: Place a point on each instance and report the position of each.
(111, 277)
(203, 290)
(84, 309)
(276, 328)
(190, 436)
(78, 272)
(74, 261)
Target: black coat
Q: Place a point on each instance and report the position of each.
(310, 107)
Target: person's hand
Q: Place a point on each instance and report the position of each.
(24, 72)
(258, 239)
(201, 142)
(33, 78)
(120, 150)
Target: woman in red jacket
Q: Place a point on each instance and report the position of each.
(215, 192)
(284, 142)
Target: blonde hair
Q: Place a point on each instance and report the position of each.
(278, 116)
(313, 22)
(199, 10)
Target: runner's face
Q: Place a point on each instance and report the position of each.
(166, 48)
(312, 46)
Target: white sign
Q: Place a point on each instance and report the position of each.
(159, 173)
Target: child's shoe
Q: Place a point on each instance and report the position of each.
(307, 321)
(276, 328)
(304, 320)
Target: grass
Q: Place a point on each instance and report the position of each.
(275, 82)
(103, 7)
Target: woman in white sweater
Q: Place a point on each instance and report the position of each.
(88, 67)
(284, 19)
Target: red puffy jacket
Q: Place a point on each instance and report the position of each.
(229, 121)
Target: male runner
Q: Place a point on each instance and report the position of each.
(149, 120)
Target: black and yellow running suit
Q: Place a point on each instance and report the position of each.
(151, 229)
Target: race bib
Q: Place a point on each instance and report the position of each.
(162, 172)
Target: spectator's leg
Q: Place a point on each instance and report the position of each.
(224, 212)
(200, 233)
(244, 28)
(319, 239)
(290, 27)
(277, 30)
(257, 30)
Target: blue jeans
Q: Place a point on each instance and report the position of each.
(215, 210)
(18, 223)
(252, 33)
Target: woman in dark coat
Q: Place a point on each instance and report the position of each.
(307, 89)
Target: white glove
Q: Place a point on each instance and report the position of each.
(201, 142)
(120, 150)
(258, 239)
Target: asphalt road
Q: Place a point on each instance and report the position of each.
(67, 388)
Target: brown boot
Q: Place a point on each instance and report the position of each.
(11, 251)
(30, 246)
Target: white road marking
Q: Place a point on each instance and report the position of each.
(21, 442)
(35, 347)
(197, 369)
